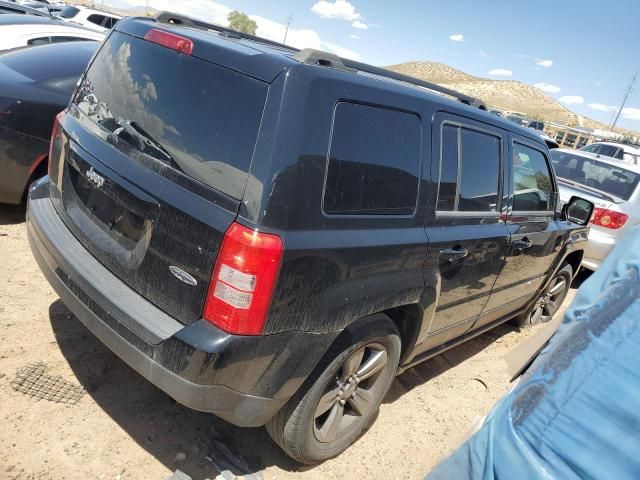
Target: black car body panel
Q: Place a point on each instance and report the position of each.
(35, 84)
(375, 188)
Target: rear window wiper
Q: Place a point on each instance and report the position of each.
(140, 139)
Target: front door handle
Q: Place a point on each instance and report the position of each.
(522, 244)
(454, 254)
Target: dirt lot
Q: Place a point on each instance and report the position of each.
(123, 427)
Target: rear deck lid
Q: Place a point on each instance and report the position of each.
(151, 163)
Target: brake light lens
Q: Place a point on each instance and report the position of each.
(243, 280)
(608, 218)
(55, 133)
(170, 40)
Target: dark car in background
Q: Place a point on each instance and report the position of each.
(35, 84)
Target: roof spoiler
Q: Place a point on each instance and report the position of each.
(177, 19)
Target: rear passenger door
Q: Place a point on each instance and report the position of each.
(467, 238)
(535, 238)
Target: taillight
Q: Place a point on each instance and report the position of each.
(608, 218)
(170, 40)
(243, 280)
(55, 132)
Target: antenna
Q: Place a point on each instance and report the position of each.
(286, 32)
(624, 100)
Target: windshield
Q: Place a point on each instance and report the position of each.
(197, 117)
(610, 179)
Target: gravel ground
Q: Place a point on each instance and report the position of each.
(124, 427)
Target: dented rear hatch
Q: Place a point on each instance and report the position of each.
(150, 164)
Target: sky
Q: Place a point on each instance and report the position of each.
(581, 53)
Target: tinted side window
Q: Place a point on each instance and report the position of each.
(473, 158)
(38, 41)
(374, 161)
(448, 187)
(591, 148)
(61, 39)
(532, 184)
(608, 150)
(480, 171)
(69, 12)
(97, 19)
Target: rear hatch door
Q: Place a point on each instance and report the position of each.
(151, 163)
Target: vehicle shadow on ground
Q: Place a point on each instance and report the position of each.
(579, 279)
(164, 428)
(423, 372)
(12, 214)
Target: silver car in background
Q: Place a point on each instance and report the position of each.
(612, 185)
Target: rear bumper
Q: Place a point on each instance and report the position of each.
(244, 380)
(598, 247)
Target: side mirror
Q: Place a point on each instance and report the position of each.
(578, 210)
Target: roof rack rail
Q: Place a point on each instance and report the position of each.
(178, 19)
(318, 57)
(621, 142)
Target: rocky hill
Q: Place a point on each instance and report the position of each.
(503, 94)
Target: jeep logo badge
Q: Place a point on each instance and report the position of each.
(95, 178)
(182, 276)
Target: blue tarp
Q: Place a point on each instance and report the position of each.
(576, 411)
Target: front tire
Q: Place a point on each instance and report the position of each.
(549, 301)
(332, 411)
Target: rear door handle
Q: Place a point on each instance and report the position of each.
(522, 244)
(454, 254)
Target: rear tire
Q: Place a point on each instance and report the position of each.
(338, 402)
(549, 301)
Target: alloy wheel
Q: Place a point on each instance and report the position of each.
(353, 393)
(549, 301)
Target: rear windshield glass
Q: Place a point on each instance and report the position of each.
(610, 179)
(197, 117)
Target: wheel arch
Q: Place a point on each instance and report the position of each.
(574, 259)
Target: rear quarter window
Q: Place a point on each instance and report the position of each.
(374, 161)
(96, 19)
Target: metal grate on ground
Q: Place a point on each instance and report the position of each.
(33, 381)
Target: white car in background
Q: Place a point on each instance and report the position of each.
(28, 30)
(612, 186)
(93, 19)
(621, 151)
(52, 8)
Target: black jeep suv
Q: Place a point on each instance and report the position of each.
(272, 235)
